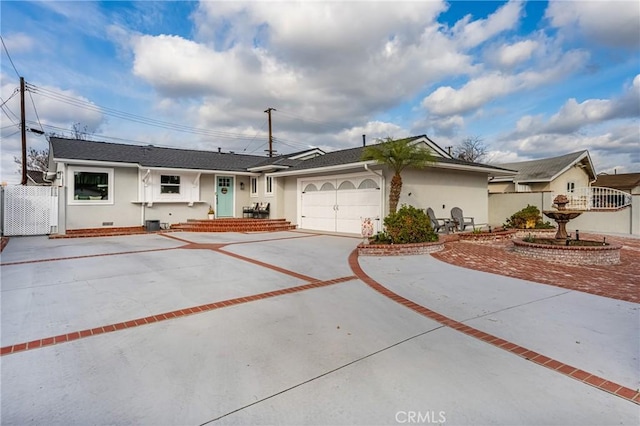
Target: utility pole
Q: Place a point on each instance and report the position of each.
(270, 150)
(23, 132)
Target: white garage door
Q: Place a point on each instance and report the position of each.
(338, 204)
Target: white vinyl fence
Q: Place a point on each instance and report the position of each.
(597, 198)
(29, 210)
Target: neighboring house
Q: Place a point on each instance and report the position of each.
(627, 182)
(560, 175)
(36, 178)
(107, 184)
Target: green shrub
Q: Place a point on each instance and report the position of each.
(527, 218)
(381, 238)
(409, 225)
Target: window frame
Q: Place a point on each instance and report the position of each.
(253, 186)
(268, 185)
(571, 187)
(170, 185)
(72, 186)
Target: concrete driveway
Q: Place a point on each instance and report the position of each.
(293, 328)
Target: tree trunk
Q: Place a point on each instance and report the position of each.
(394, 192)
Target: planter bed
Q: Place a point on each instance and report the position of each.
(573, 255)
(536, 233)
(399, 249)
(502, 235)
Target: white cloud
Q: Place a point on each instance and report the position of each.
(574, 116)
(608, 128)
(18, 42)
(472, 33)
(486, 88)
(611, 23)
(510, 55)
(351, 59)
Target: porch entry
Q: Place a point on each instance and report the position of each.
(224, 196)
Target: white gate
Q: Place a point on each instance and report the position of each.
(30, 210)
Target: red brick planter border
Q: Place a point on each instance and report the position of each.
(488, 236)
(399, 249)
(574, 255)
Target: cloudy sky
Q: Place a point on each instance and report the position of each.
(531, 79)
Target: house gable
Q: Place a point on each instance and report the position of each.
(547, 169)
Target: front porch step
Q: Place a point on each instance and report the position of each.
(233, 225)
(101, 232)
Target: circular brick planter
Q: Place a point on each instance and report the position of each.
(399, 249)
(573, 255)
(487, 236)
(536, 233)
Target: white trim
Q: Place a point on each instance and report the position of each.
(253, 179)
(433, 146)
(573, 163)
(267, 167)
(72, 184)
(338, 167)
(437, 165)
(305, 154)
(268, 178)
(92, 163)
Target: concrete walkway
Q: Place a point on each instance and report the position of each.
(293, 328)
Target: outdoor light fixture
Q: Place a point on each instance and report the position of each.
(241, 186)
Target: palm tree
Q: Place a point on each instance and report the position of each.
(398, 155)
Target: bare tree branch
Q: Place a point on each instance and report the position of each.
(471, 149)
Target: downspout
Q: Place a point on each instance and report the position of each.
(145, 180)
(382, 186)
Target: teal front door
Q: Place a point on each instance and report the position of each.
(224, 199)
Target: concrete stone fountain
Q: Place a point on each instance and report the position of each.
(563, 249)
(561, 215)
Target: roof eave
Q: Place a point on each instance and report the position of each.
(266, 168)
(338, 167)
(491, 171)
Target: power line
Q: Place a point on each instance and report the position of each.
(134, 118)
(9, 56)
(256, 135)
(36, 111)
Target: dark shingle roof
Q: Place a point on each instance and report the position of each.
(354, 155)
(151, 156)
(623, 181)
(37, 177)
(544, 169)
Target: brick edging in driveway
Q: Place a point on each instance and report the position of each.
(535, 357)
(68, 337)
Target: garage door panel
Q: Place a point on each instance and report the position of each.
(352, 199)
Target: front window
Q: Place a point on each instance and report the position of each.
(92, 186)
(254, 186)
(269, 185)
(169, 184)
(571, 187)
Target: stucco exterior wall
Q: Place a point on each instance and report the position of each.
(502, 206)
(289, 208)
(499, 187)
(122, 212)
(443, 189)
(623, 221)
(574, 174)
